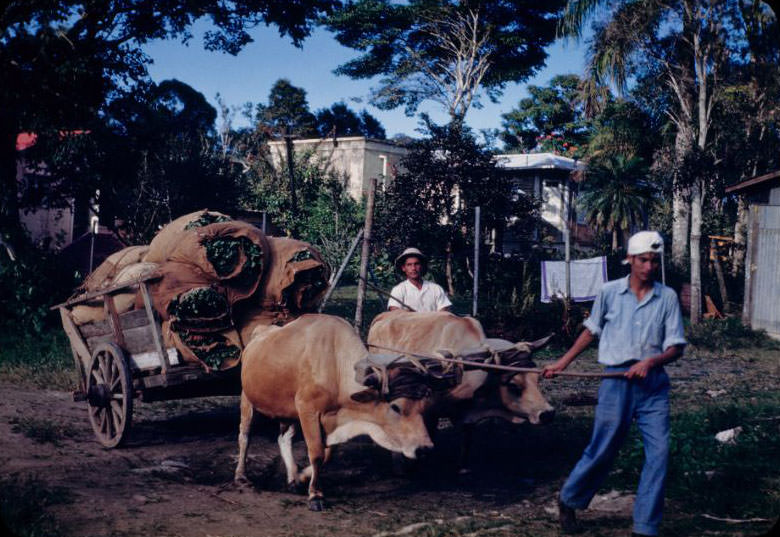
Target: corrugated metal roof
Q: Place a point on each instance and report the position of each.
(536, 161)
(754, 182)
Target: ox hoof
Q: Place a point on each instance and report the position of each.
(316, 504)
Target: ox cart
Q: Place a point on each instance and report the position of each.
(124, 357)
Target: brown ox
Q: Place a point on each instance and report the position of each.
(513, 397)
(304, 371)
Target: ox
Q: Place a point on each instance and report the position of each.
(516, 398)
(305, 372)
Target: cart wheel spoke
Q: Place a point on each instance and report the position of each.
(103, 421)
(115, 374)
(116, 416)
(103, 367)
(111, 400)
(98, 377)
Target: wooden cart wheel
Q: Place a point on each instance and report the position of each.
(110, 395)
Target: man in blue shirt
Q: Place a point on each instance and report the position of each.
(639, 326)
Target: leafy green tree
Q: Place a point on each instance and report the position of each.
(62, 61)
(615, 194)
(430, 204)
(687, 43)
(623, 128)
(287, 116)
(153, 158)
(450, 52)
(552, 110)
(340, 120)
(287, 112)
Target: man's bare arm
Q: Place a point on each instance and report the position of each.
(585, 338)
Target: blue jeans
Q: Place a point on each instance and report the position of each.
(620, 402)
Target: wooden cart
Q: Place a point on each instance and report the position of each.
(125, 357)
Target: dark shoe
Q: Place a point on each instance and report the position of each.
(568, 518)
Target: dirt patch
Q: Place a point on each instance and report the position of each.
(174, 477)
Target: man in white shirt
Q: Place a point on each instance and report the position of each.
(414, 292)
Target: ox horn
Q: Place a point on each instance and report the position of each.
(539, 343)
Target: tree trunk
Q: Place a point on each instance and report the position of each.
(681, 210)
(696, 296)
(288, 144)
(681, 206)
(448, 269)
(614, 239)
(724, 294)
(740, 237)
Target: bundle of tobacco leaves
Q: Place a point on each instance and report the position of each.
(224, 253)
(206, 218)
(200, 308)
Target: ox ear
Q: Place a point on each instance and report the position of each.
(539, 343)
(365, 396)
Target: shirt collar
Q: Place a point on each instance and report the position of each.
(412, 286)
(655, 291)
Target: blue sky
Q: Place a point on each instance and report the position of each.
(250, 75)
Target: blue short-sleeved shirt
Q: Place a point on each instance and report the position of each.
(632, 330)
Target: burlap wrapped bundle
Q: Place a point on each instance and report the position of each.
(167, 239)
(296, 278)
(213, 350)
(109, 269)
(225, 259)
(124, 302)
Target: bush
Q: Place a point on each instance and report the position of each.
(29, 286)
(730, 333)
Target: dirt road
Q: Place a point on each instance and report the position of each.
(174, 477)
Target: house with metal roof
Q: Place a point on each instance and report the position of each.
(554, 180)
(762, 276)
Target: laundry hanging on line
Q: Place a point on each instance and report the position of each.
(587, 277)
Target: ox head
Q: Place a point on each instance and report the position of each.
(394, 422)
(520, 393)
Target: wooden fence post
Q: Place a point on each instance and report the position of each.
(361, 294)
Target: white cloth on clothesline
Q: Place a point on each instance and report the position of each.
(587, 277)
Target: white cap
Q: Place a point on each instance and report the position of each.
(643, 242)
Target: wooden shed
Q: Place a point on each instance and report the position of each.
(762, 262)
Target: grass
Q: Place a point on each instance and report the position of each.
(43, 430)
(38, 361)
(24, 503)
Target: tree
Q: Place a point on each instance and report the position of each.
(615, 194)
(340, 120)
(688, 44)
(430, 204)
(153, 157)
(549, 110)
(450, 52)
(287, 112)
(287, 116)
(62, 61)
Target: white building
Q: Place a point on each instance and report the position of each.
(552, 179)
(356, 158)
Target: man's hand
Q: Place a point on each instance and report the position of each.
(639, 369)
(550, 370)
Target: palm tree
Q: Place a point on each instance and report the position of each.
(685, 42)
(615, 195)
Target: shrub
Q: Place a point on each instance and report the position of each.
(730, 333)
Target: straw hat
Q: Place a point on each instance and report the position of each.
(411, 252)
